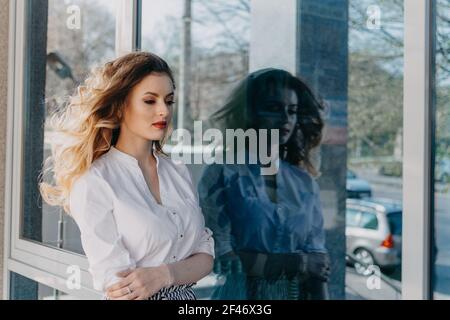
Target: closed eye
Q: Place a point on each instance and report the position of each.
(150, 102)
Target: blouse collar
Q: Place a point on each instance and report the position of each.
(129, 158)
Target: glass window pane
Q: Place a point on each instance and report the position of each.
(23, 288)
(350, 53)
(440, 256)
(395, 223)
(206, 43)
(210, 60)
(375, 122)
(65, 39)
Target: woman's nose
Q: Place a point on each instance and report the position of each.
(284, 114)
(163, 109)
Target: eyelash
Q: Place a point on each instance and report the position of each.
(170, 103)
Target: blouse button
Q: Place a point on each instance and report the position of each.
(181, 236)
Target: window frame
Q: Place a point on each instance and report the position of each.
(417, 153)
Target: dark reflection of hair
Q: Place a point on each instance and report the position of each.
(240, 110)
(293, 264)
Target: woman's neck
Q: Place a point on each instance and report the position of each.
(135, 147)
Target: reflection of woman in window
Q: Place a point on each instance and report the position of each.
(268, 228)
(141, 227)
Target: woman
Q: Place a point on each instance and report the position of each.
(269, 227)
(141, 226)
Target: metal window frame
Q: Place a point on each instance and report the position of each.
(128, 22)
(36, 261)
(417, 165)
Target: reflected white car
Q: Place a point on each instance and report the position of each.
(374, 233)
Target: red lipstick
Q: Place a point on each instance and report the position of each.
(160, 124)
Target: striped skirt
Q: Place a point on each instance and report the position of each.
(180, 292)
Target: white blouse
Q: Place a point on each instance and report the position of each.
(122, 225)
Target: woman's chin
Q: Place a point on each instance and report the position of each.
(155, 137)
(284, 140)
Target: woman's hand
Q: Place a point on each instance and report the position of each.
(318, 266)
(141, 283)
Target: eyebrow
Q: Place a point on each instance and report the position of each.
(157, 95)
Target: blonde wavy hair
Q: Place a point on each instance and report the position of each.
(89, 124)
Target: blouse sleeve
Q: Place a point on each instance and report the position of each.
(91, 206)
(206, 243)
(213, 203)
(316, 237)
